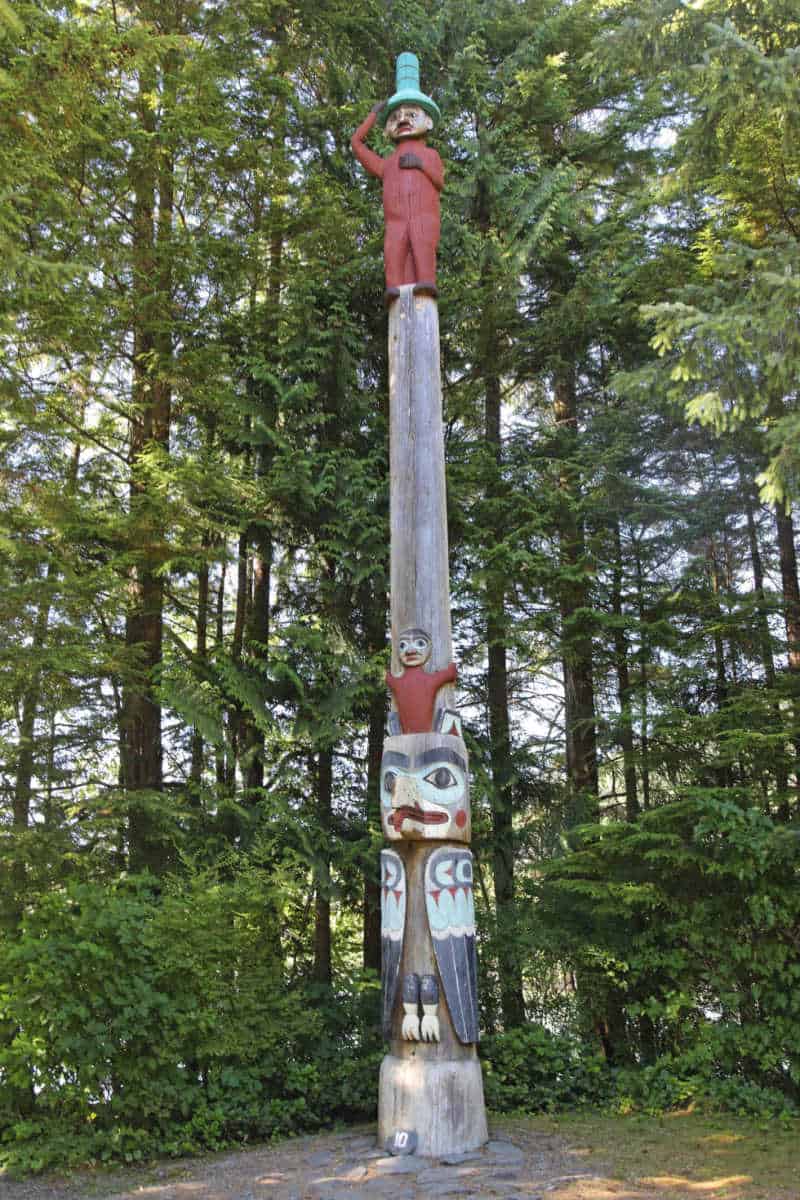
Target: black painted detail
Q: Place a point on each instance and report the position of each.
(411, 988)
(428, 989)
(449, 869)
(392, 871)
(402, 1141)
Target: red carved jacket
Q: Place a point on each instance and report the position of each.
(415, 694)
(408, 193)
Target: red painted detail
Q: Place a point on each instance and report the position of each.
(399, 815)
(415, 695)
(453, 891)
(410, 206)
(436, 893)
(461, 818)
(447, 871)
(453, 729)
(397, 894)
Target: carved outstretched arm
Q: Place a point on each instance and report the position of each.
(448, 675)
(369, 160)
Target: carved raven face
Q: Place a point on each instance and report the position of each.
(425, 788)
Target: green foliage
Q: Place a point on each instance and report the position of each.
(193, 388)
(530, 1070)
(153, 1022)
(683, 926)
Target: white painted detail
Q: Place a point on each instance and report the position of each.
(410, 1023)
(429, 1028)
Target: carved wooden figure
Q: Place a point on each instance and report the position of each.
(412, 177)
(415, 690)
(431, 1089)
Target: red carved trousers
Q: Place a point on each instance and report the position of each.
(409, 250)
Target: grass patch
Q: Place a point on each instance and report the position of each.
(677, 1156)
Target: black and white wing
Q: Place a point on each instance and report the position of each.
(393, 923)
(451, 916)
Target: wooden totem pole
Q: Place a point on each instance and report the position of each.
(431, 1089)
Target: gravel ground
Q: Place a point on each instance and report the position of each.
(518, 1164)
(345, 1166)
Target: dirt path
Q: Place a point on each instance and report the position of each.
(522, 1162)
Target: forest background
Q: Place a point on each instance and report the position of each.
(194, 551)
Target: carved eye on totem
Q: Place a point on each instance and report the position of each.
(441, 778)
(425, 794)
(413, 647)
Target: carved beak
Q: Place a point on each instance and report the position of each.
(407, 807)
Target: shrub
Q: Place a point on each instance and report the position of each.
(156, 1021)
(531, 1070)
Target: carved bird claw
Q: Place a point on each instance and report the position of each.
(430, 1025)
(410, 1028)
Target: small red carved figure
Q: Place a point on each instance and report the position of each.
(415, 690)
(412, 176)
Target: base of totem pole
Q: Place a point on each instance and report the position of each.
(441, 1100)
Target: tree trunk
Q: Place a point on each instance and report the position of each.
(791, 615)
(502, 796)
(201, 632)
(625, 735)
(377, 721)
(644, 716)
(765, 637)
(723, 772)
(502, 792)
(574, 604)
(219, 640)
(257, 641)
(151, 171)
(322, 900)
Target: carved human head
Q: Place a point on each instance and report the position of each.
(408, 121)
(414, 647)
(425, 788)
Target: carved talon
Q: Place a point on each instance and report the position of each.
(410, 1028)
(430, 1024)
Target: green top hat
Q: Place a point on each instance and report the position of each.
(407, 83)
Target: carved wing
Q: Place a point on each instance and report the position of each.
(393, 924)
(451, 916)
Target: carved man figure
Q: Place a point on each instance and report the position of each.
(412, 176)
(415, 690)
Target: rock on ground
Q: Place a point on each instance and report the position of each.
(344, 1166)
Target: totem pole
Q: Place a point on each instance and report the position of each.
(431, 1089)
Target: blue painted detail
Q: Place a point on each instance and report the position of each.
(411, 988)
(450, 906)
(428, 989)
(408, 89)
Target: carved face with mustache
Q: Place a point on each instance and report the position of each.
(408, 121)
(425, 788)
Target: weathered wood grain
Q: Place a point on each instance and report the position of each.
(441, 1099)
(432, 1088)
(420, 581)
